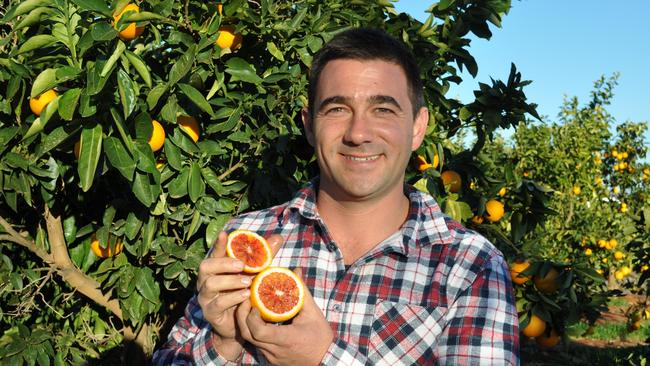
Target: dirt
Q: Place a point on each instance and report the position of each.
(592, 352)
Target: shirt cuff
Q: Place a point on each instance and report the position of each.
(204, 352)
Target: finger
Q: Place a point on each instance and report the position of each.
(224, 301)
(240, 315)
(219, 247)
(214, 285)
(210, 267)
(275, 241)
(309, 306)
(262, 333)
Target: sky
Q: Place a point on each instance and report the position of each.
(563, 47)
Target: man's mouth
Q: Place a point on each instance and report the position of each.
(362, 158)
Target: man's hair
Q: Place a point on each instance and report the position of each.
(367, 44)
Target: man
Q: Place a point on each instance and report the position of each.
(391, 280)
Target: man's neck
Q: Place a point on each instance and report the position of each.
(359, 225)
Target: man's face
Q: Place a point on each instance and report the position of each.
(363, 128)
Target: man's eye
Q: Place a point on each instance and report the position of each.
(335, 110)
(384, 110)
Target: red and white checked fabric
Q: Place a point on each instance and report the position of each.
(433, 293)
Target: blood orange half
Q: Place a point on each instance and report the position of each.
(278, 294)
(250, 248)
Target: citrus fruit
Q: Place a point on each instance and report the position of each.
(576, 190)
(536, 327)
(250, 248)
(190, 126)
(516, 268)
(452, 179)
(228, 38)
(618, 255)
(107, 251)
(157, 138)
(37, 104)
(494, 210)
(77, 149)
(547, 284)
(278, 293)
(131, 31)
(478, 220)
(502, 191)
(548, 341)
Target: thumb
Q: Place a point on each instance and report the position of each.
(219, 246)
(275, 242)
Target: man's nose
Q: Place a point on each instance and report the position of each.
(359, 129)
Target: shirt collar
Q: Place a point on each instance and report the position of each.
(425, 224)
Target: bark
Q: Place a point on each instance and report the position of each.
(59, 260)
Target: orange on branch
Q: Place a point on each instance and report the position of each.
(494, 210)
(132, 31)
(157, 139)
(548, 341)
(190, 125)
(37, 104)
(108, 250)
(516, 268)
(547, 284)
(228, 38)
(250, 248)
(278, 293)
(536, 327)
(451, 179)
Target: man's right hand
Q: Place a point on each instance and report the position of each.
(221, 287)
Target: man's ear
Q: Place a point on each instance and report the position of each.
(307, 122)
(420, 125)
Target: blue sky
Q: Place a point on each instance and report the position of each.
(564, 46)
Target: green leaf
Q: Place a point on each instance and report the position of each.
(147, 286)
(130, 17)
(30, 19)
(119, 157)
(54, 139)
(127, 93)
(68, 103)
(36, 42)
(274, 51)
(143, 189)
(178, 186)
(46, 80)
(132, 226)
(24, 7)
(242, 70)
(196, 97)
(196, 186)
(139, 66)
(214, 228)
(155, 94)
(458, 210)
(182, 66)
(94, 5)
(91, 147)
(102, 31)
(108, 66)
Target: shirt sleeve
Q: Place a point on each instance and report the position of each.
(482, 323)
(190, 341)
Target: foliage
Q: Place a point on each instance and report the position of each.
(167, 207)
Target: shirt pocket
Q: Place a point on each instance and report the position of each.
(405, 334)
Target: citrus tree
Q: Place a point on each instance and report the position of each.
(596, 241)
(131, 132)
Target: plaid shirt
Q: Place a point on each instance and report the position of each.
(432, 293)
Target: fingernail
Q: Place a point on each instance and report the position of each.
(238, 265)
(245, 293)
(246, 280)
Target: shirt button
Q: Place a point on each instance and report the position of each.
(336, 308)
(331, 247)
